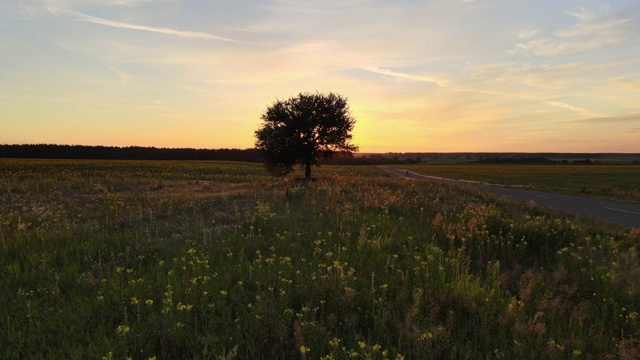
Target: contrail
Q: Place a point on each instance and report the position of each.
(123, 25)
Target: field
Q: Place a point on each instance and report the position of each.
(619, 182)
(217, 260)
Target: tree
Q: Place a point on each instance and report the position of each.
(304, 130)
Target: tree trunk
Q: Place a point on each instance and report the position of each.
(307, 170)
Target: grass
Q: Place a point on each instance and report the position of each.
(174, 260)
(620, 182)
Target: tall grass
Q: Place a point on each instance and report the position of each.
(214, 260)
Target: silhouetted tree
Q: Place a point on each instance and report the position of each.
(303, 130)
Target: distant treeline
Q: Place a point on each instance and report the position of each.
(372, 159)
(540, 160)
(518, 160)
(50, 151)
(46, 151)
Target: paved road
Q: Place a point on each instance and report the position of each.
(620, 213)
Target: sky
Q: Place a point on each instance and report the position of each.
(420, 76)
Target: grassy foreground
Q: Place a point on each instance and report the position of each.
(214, 260)
(619, 182)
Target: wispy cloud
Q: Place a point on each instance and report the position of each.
(423, 78)
(525, 34)
(632, 118)
(579, 110)
(583, 14)
(555, 47)
(480, 82)
(627, 82)
(136, 2)
(124, 77)
(602, 27)
(123, 25)
(595, 30)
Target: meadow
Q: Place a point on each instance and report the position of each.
(217, 260)
(618, 182)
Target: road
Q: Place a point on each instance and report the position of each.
(615, 212)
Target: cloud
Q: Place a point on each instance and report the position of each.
(124, 77)
(136, 2)
(583, 14)
(593, 27)
(634, 130)
(632, 118)
(576, 109)
(626, 82)
(525, 34)
(423, 78)
(123, 25)
(594, 31)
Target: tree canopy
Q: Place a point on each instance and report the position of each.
(304, 130)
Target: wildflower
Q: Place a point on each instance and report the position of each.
(426, 336)
(437, 220)
(304, 350)
(577, 352)
(335, 342)
(123, 329)
(179, 325)
(223, 292)
(134, 301)
(376, 348)
(362, 344)
(183, 307)
(100, 298)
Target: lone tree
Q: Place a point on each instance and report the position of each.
(304, 130)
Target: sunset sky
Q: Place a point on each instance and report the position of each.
(431, 75)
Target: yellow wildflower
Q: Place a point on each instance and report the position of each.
(123, 329)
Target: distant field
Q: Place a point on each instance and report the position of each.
(217, 260)
(621, 182)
